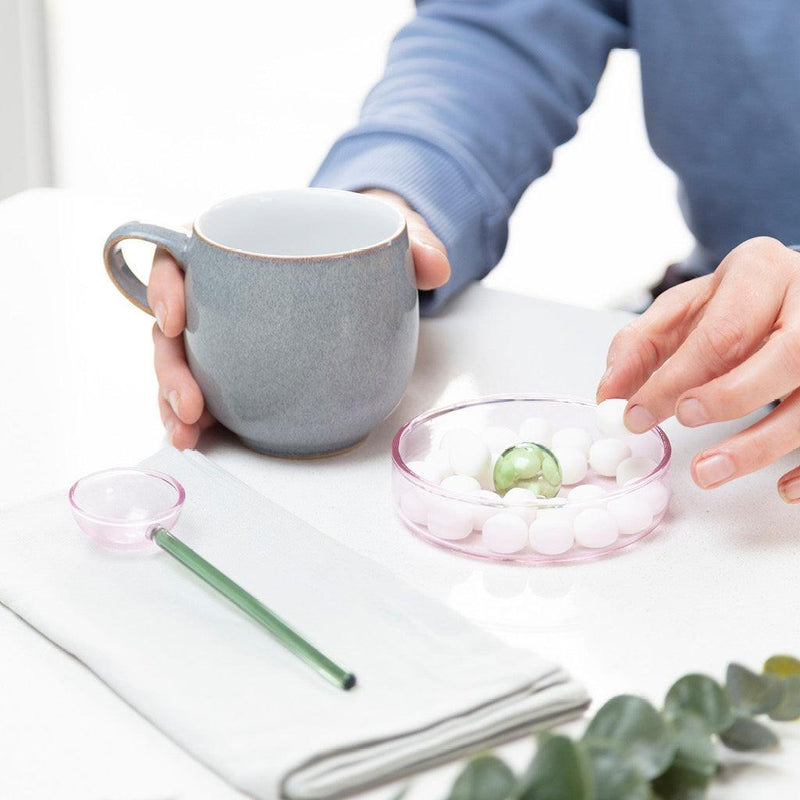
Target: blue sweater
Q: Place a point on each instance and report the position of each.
(477, 94)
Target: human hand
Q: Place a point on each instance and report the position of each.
(429, 254)
(180, 400)
(717, 348)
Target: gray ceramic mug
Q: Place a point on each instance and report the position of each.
(301, 313)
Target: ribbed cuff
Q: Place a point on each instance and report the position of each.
(435, 184)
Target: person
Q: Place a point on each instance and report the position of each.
(476, 96)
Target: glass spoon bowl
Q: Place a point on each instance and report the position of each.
(120, 508)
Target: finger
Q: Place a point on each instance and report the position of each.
(176, 383)
(733, 326)
(180, 434)
(771, 372)
(753, 448)
(645, 344)
(206, 420)
(789, 486)
(165, 293)
(431, 264)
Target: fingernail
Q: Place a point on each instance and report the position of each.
(431, 247)
(638, 419)
(174, 400)
(170, 427)
(160, 311)
(714, 469)
(790, 490)
(691, 413)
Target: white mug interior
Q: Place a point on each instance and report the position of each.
(300, 223)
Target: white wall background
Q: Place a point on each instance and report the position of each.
(25, 157)
(181, 103)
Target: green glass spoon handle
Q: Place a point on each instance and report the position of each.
(254, 608)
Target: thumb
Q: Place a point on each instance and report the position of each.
(430, 255)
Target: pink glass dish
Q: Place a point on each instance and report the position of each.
(119, 507)
(414, 497)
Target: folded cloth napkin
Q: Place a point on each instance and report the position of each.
(431, 686)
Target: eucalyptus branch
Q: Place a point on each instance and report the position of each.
(632, 751)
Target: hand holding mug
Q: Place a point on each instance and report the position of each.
(180, 399)
(300, 318)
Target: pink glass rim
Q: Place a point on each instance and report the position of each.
(150, 473)
(427, 416)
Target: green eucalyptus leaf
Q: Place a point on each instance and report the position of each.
(782, 666)
(635, 727)
(402, 793)
(703, 696)
(614, 776)
(788, 707)
(560, 770)
(484, 778)
(751, 692)
(681, 783)
(746, 734)
(695, 748)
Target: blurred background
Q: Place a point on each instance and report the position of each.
(178, 104)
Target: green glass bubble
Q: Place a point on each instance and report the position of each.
(528, 466)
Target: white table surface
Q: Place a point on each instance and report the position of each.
(718, 583)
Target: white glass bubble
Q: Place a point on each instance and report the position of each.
(536, 430)
(449, 519)
(469, 455)
(551, 535)
(634, 468)
(595, 528)
(632, 514)
(483, 512)
(425, 470)
(461, 484)
(586, 491)
(505, 532)
(498, 438)
(605, 455)
(573, 464)
(414, 504)
(574, 437)
(609, 418)
(522, 502)
(656, 494)
(439, 462)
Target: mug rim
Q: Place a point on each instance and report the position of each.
(386, 242)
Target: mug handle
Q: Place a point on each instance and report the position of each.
(175, 243)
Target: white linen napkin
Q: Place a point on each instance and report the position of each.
(431, 686)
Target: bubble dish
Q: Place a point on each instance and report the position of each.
(591, 516)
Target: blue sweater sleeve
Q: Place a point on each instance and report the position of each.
(475, 97)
